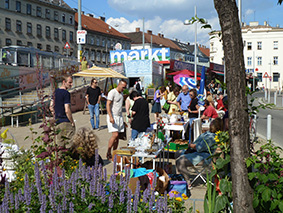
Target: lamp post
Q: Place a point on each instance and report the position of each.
(188, 22)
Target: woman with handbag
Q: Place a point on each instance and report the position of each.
(172, 97)
(156, 107)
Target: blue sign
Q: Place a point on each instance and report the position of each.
(159, 54)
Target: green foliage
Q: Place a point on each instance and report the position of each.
(112, 87)
(266, 178)
(126, 92)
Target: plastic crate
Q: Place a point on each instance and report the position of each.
(175, 146)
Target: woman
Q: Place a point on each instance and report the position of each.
(156, 108)
(129, 103)
(198, 151)
(172, 97)
(193, 109)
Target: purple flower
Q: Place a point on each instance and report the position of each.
(90, 206)
(103, 194)
(52, 196)
(38, 181)
(122, 197)
(64, 204)
(71, 207)
(16, 202)
(43, 169)
(129, 196)
(110, 202)
(151, 200)
(59, 209)
(74, 189)
(165, 202)
(27, 191)
(105, 174)
(96, 159)
(146, 194)
(83, 193)
(136, 198)
(43, 204)
(154, 180)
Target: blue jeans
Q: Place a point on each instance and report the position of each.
(190, 129)
(94, 109)
(134, 134)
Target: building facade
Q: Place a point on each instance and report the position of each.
(263, 53)
(43, 24)
(100, 39)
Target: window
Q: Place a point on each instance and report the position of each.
(92, 55)
(275, 60)
(29, 28)
(276, 76)
(8, 42)
(48, 48)
(97, 41)
(56, 33)
(29, 44)
(71, 19)
(259, 61)
(6, 4)
(259, 76)
(19, 43)
(98, 56)
(18, 6)
(29, 9)
(18, 26)
(38, 11)
(275, 45)
(63, 18)
(64, 35)
(47, 32)
(38, 30)
(249, 61)
(47, 13)
(103, 42)
(8, 24)
(259, 45)
(108, 44)
(56, 49)
(39, 46)
(249, 47)
(56, 16)
(71, 36)
(104, 57)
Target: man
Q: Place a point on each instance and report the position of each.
(209, 111)
(60, 107)
(139, 87)
(184, 99)
(220, 105)
(93, 96)
(115, 122)
(140, 114)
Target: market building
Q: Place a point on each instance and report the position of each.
(263, 48)
(46, 25)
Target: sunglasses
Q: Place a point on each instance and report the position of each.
(95, 82)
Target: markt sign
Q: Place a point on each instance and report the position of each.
(158, 54)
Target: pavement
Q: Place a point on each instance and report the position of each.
(83, 120)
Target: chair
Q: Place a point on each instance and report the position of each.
(197, 128)
(202, 166)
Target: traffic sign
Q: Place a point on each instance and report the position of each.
(67, 46)
(265, 75)
(81, 36)
(256, 69)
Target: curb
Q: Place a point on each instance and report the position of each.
(262, 101)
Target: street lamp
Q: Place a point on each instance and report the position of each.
(188, 22)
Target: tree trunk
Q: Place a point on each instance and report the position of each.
(237, 103)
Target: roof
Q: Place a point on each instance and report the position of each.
(98, 25)
(204, 50)
(156, 39)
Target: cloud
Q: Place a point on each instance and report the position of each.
(165, 9)
(249, 12)
(171, 28)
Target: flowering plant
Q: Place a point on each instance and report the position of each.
(87, 190)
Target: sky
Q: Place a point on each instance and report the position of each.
(167, 16)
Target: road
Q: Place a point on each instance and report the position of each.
(276, 123)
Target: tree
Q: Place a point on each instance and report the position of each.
(237, 102)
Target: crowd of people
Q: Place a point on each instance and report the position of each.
(181, 100)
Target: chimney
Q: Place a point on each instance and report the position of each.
(277, 25)
(149, 32)
(89, 15)
(162, 35)
(102, 18)
(82, 12)
(138, 29)
(159, 34)
(188, 43)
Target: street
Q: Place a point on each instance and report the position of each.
(276, 124)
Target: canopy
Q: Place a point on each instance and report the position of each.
(184, 72)
(99, 72)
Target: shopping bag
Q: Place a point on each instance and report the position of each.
(166, 107)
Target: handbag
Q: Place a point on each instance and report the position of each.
(166, 107)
